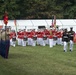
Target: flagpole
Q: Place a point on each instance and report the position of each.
(54, 21)
(15, 22)
(16, 30)
(5, 18)
(5, 31)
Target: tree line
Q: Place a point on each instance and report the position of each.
(38, 9)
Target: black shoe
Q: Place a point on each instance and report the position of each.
(70, 50)
(64, 50)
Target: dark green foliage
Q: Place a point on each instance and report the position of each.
(38, 9)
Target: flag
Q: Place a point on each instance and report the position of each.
(54, 21)
(15, 22)
(5, 18)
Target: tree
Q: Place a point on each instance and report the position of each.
(11, 7)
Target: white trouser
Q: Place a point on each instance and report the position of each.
(71, 45)
(54, 42)
(51, 43)
(33, 42)
(65, 46)
(39, 41)
(61, 42)
(58, 41)
(11, 42)
(47, 41)
(14, 43)
(19, 41)
(23, 42)
(30, 41)
(43, 42)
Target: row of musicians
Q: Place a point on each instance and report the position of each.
(39, 39)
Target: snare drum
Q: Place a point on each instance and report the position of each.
(55, 38)
(25, 38)
(14, 39)
(44, 37)
(34, 37)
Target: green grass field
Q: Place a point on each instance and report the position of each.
(39, 61)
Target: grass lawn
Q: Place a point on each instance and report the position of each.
(39, 61)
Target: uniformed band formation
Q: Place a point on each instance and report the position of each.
(43, 37)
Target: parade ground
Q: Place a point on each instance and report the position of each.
(39, 60)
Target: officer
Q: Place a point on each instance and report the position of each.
(71, 38)
(5, 43)
(65, 39)
(0, 41)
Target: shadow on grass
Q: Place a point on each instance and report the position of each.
(17, 56)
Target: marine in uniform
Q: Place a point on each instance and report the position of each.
(71, 38)
(65, 39)
(0, 41)
(5, 43)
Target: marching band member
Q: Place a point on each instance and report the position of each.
(50, 39)
(34, 38)
(54, 32)
(19, 37)
(40, 38)
(61, 42)
(47, 33)
(30, 40)
(11, 33)
(24, 38)
(44, 38)
(14, 39)
(59, 37)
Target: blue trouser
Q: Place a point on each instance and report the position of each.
(0, 47)
(5, 44)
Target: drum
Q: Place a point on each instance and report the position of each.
(14, 39)
(34, 38)
(25, 38)
(55, 38)
(44, 37)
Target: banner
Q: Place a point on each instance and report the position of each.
(5, 18)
